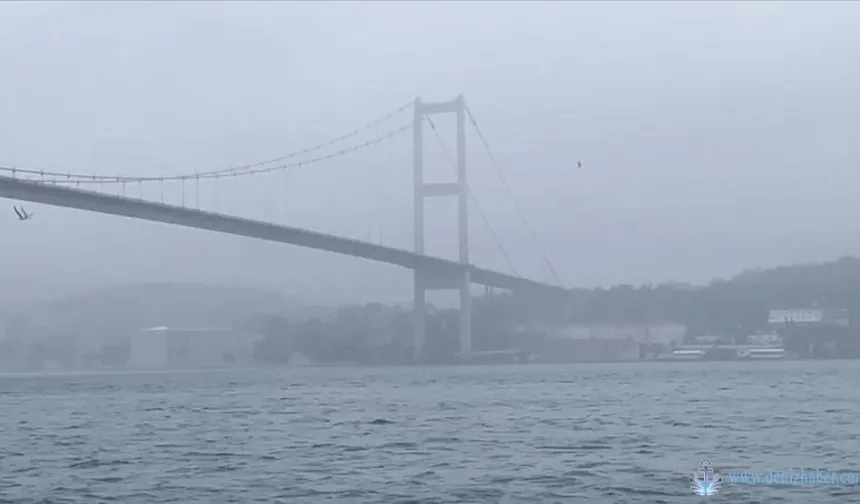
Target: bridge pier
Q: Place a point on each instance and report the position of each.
(425, 279)
(465, 314)
(419, 314)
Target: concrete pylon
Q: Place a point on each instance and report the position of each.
(425, 280)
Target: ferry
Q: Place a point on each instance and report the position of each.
(727, 352)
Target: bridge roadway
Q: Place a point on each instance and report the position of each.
(91, 201)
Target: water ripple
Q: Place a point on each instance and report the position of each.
(587, 433)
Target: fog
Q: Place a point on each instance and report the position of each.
(714, 137)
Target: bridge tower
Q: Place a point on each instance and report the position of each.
(427, 280)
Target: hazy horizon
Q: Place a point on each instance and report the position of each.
(715, 138)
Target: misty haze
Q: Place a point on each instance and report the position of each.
(369, 252)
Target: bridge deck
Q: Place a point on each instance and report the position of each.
(49, 194)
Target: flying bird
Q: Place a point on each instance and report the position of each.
(22, 214)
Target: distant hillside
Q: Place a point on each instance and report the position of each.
(843, 272)
(122, 308)
(736, 305)
(16, 291)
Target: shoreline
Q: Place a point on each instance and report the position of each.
(131, 371)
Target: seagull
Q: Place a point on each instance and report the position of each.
(22, 214)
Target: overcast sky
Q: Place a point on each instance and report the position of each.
(714, 137)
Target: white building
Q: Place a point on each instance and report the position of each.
(148, 348)
(609, 341)
(163, 347)
(666, 333)
(808, 316)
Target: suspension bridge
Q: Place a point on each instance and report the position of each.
(110, 194)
